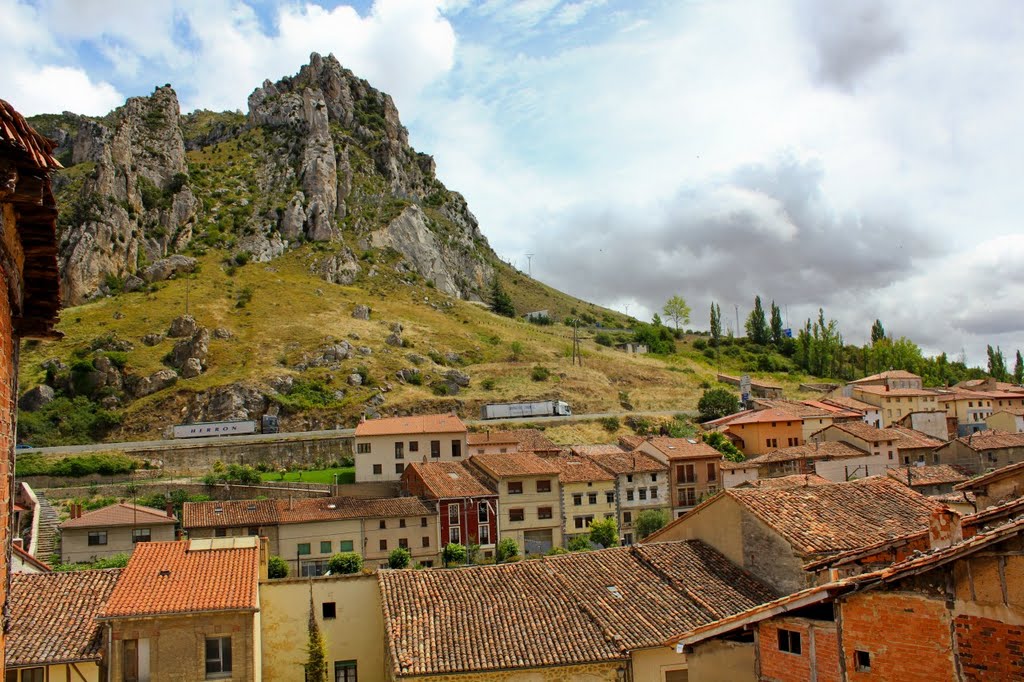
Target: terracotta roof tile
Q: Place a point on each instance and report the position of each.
(339, 508)
(631, 442)
(896, 392)
(53, 616)
(186, 577)
(851, 403)
(573, 608)
(514, 464)
(24, 556)
(623, 462)
(955, 497)
(449, 479)
(1015, 411)
(912, 439)
(120, 514)
(795, 480)
(229, 514)
(599, 449)
(574, 469)
(15, 132)
(684, 448)
(764, 416)
(427, 423)
(798, 408)
(812, 451)
(982, 482)
(870, 433)
(835, 411)
(932, 474)
(992, 440)
(890, 374)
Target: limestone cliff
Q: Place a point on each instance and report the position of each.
(320, 157)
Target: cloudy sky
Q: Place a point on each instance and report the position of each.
(864, 156)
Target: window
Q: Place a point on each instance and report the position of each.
(329, 610)
(455, 535)
(423, 522)
(218, 657)
(629, 478)
(399, 450)
(453, 514)
(583, 521)
(378, 469)
(591, 498)
(426, 541)
(253, 530)
(627, 517)
(130, 660)
(403, 543)
(383, 524)
(862, 659)
(515, 487)
(771, 442)
(303, 549)
(609, 497)
(627, 539)
(629, 496)
(544, 486)
(363, 449)
(654, 477)
(435, 448)
(345, 546)
(654, 493)
(30, 675)
(515, 515)
(686, 473)
(414, 446)
(643, 493)
(485, 535)
(383, 545)
(482, 515)
(345, 671)
(789, 641)
(399, 468)
(712, 471)
(456, 448)
(97, 537)
(792, 442)
(687, 497)
(325, 546)
(543, 512)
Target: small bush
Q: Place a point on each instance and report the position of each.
(580, 543)
(344, 563)
(603, 339)
(399, 558)
(488, 384)
(453, 553)
(517, 350)
(700, 344)
(539, 373)
(242, 257)
(506, 550)
(277, 567)
(440, 389)
(610, 424)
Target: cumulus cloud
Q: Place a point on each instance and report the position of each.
(58, 88)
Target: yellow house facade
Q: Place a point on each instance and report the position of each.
(383, 447)
(763, 431)
(588, 494)
(893, 404)
(1009, 419)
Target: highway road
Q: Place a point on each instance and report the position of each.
(298, 436)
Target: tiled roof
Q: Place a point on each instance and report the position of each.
(449, 479)
(911, 439)
(120, 514)
(623, 462)
(798, 408)
(631, 442)
(823, 450)
(982, 482)
(53, 616)
(895, 392)
(932, 474)
(186, 577)
(599, 449)
(835, 411)
(839, 516)
(427, 423)
(851, 403)
(514, 464)
(955, 497)
(568, 609)
(977, 383)
(491, 438)
(992, 439)
(890, 374)
(764, 416)
(1015, 411)
(533, 440)
(685, 448)
(786, 481)
(574, 469)
(338, 508)
(19, 553)
(866, 432)
(15, 132)
(229, 513)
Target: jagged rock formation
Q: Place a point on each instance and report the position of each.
(320, 157)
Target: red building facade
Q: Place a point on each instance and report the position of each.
(467, 508)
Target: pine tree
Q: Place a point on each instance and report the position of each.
(776, 325)
(316, 649)
(716, 323)
(757, 326)
(877, 332)
(1018, 370)
(501, 302)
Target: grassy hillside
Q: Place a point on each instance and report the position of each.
(279, 312)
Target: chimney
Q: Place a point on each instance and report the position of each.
(944, 528)
(264, 557)
(169, 508)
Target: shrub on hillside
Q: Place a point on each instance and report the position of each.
(716, 403)
(103, 463)
(540, 373)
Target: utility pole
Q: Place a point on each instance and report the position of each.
(529, 264)
(737, 320)
(577, 354)
(627, 310)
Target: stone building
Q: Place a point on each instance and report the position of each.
(115, 529)
(983, 451)
(635, 472)
(29, 285)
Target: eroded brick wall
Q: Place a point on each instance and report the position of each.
(989, 649)
(8, 397)
(819, 651)
(905, 634)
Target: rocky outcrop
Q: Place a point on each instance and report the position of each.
(361, 312)
(182, 326)
(38, 397)
(191, 353)
(131, 202)
(234, 401)
(330, 355)
(165, 268)
(141, 386)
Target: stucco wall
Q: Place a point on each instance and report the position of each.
(599, 510)
(74, 672)
(768, 556)
(651, 664)
(722, 661)
(177, 645)
(355, 634)
(719, 524)
(74, 542)
(382, 452)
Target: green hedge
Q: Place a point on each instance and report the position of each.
(104, 463)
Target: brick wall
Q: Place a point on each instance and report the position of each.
(8, 396)
(819, 651)
(989, 649)
(904, 633)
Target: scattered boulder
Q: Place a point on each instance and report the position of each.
(355, 379)
(361, 312)
(234, 401)
(453, 358)
(408, 374)
(353, 336)
(197, 347)
(165, 268)
(339, 394)
(330, 355)
(222, 333)
(394, 340)
(459, 378)
(110, 402)
(37, 398)
(134, 283)
(282, 384)
(139, 387)
(376, 401)
(182, 327)
(416, 359)
(191, 368)
(112, 342)
(118, 315)
(397, 327)
(152, 339)
(365, 350)
(53, 365)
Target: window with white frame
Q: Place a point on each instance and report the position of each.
(218, 657)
